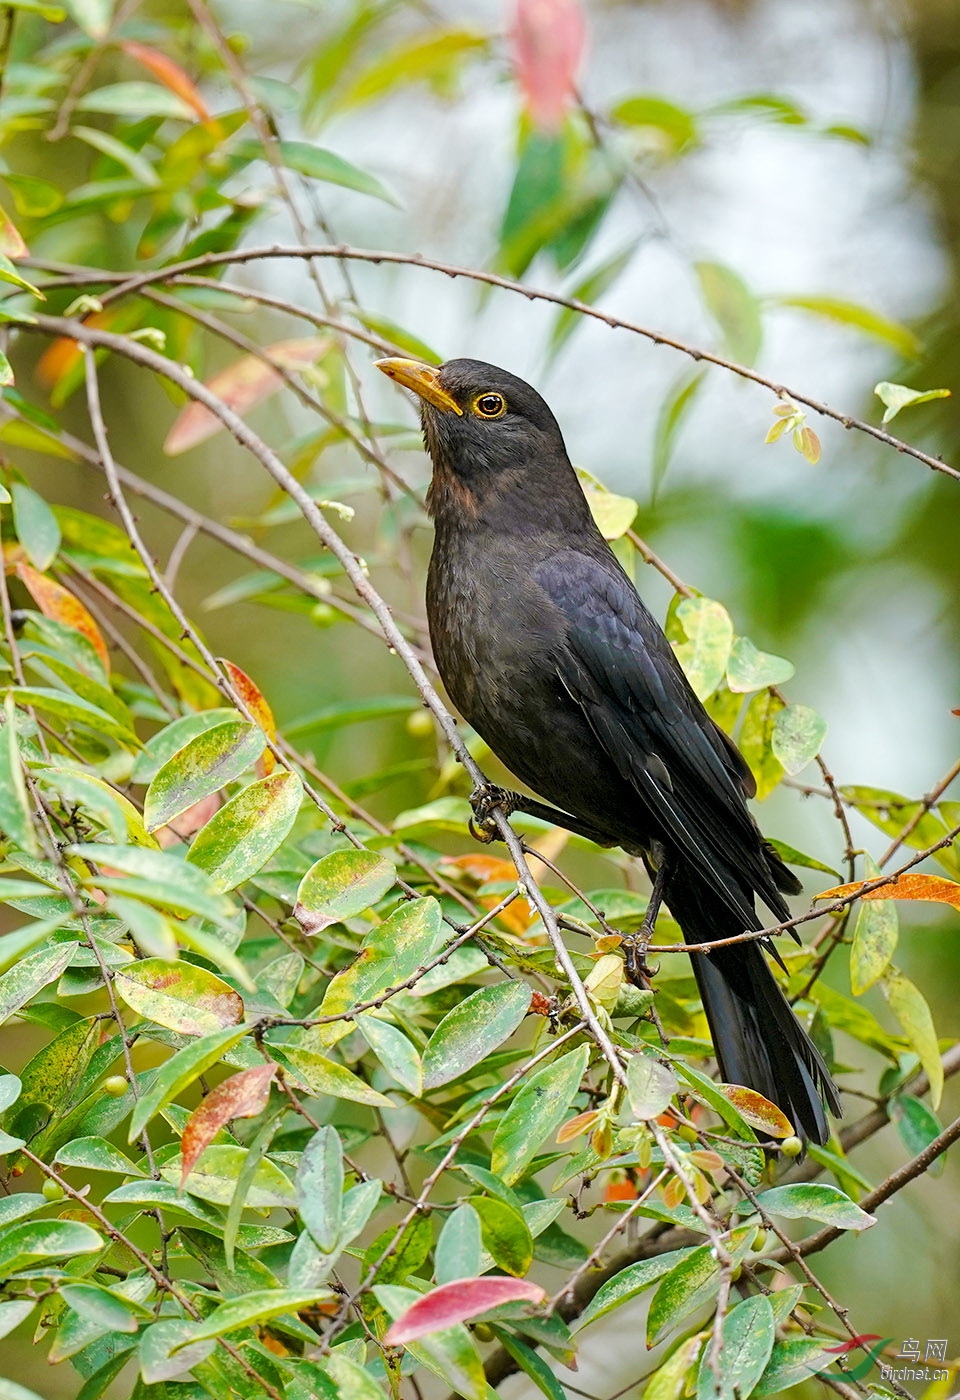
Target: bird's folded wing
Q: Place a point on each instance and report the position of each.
(619, 668)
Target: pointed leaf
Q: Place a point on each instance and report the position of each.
(180, 1071)
(29, 976)
(203, 766)
(243, 1095)
(797, 735)
(874, 938)
(898, 396)
(815, 1201)
(244, 834)
(536, 1113)
(256, 702)
(36, 526)
(450, 1353)
(629, 1282)
(650, 1086)
(747, 1336)
(759, 1112)
(472, 1030)
(910, 1008)
(320, 1075)
(258, 1306)
(459, 1247)
(320, 1188)
(457, 1302)
(750, 669)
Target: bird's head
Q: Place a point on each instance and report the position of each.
(490, 436)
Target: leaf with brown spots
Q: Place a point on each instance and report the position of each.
(759, 1112)
(179, 995)
(243, 1095)
(907, 886)
(59, 604)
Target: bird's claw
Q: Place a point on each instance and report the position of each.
(486, 800)
(638, 971)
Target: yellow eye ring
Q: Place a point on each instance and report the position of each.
(489, 405)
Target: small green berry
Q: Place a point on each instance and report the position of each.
(52, 1190)
(116, 1086)
(791, 1147)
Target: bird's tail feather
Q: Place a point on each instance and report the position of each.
(758, 1040)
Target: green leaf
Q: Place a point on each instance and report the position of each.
(103, 1306)
(427, 56)
(33, 1241)
(320, 1188)
(911, 1010)
(918, 1126)
(214, 1178)
(16, 813)
(472, 1030)
(797, 735)
(756, 741)
(704, 654)
(36, 526)
(588, 290)
(613, 515)
(689, 1284)
(320, 164)
(161, 1353)
(536, 1113)
(629, 1282)
(674, 409)
(874, 937)
(898, 396)
(203, 766)
(338, 715)
(392, 952)
(394, 1051)
(534, 1366)
(791, 856)
(459, 1247)
(9, 273)
(506, 1234)
(650, 1086)
(137, 100)
(747, 1337)
(341, 885)
(72, 709)
(353, 1381)
(670, 1381)
(676, 127)
(108, 145)
(255, 1307)
(97, 1155)
(815, 1201)
(320, 1075)
(793, 1360)
(180, 1071)
(450, 1354)
(179, 995)
(158, 877)
(13, 1313)
(750, 669)
(734, 308)
(892, 813)
(244, 834)
(861, 318)
(31, 975)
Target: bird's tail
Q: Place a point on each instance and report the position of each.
(757, 1038)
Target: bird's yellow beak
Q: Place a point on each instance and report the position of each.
(424, 380)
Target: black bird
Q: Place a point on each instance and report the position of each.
(546, 648)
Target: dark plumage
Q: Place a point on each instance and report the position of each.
(547, 650)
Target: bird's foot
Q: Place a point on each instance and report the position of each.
(486, 799)
(638, 971)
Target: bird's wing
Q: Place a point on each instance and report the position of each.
(619, 668)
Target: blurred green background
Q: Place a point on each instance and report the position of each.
(811, 148)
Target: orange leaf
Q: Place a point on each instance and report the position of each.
(58, 603)
(759, 1112)
(242, 385)
(483, 868)
(620, 1191)
(64, 354)
(243, 1095)
(11, 243)
(255, 701)
(907, 886)
(573, 1127)
(169, 73)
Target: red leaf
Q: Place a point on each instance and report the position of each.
(58, 603)
(457, 1301)
(908, 886)
(244, 1095)
(548, 38)
(255, 701)
(242, 385)
(169, 73)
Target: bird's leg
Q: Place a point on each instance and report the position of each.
(635, 947)
(485, 799)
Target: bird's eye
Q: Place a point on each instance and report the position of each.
(490, 405)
